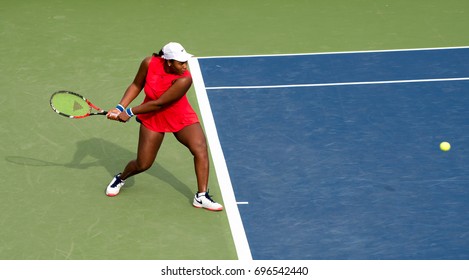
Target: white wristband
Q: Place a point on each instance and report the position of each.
(120, 107)
(129, 112)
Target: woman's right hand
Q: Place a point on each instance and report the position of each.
(112, 114)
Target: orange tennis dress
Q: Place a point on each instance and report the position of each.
(173, 117)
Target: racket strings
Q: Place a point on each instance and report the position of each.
(70, 104)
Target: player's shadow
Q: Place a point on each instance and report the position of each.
(114, 158)
(97, 152)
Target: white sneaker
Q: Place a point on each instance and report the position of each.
(203, 200)
(115, 186)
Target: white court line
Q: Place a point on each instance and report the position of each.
(342, 52)
(231, 207)
(343, 84)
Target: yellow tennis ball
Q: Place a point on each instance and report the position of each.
(445, 146)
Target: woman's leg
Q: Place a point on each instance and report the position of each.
(149, 143)
(193, 138)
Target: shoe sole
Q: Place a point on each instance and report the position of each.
(211, 209)
(111, 194)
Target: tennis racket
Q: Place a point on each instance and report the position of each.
(73, 105)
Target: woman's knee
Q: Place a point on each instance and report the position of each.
(199, 148)
(142, 165)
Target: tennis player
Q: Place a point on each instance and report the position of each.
(165, 79)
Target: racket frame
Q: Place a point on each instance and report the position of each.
(91, 105)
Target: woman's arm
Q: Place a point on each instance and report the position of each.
(174, 93)
(133, 90)
(137, 84)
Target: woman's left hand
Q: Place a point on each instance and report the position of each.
(123, 117)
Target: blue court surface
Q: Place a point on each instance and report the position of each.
(336, 155)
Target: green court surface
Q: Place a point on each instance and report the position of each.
(55, 170)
